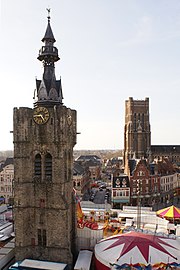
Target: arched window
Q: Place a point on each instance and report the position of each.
(37, 165)
(41, 237)
(48, 165)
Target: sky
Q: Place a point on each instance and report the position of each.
(110, 50)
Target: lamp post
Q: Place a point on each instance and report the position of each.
(138, 204)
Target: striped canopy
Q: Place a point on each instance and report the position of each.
(171, 212)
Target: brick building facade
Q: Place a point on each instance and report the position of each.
(6, 181)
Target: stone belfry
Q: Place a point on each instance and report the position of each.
(44, 137)
(137, 133)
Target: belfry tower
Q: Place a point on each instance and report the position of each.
(44, 137)
(137, 133)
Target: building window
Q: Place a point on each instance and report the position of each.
(37, 165)
(141, 173)
(48, 165)
(39, 237)
(42, 237)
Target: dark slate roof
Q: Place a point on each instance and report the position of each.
(48, 34)
(77, 169)
(132, 165)
(165, 148)
(152, 168)
(88, 157)
(48, 84)
(92, 163)
(116, 170)
(8, 161)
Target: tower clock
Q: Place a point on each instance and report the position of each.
(44, 137)
(41, 115)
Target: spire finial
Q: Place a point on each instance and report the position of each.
(48, 10)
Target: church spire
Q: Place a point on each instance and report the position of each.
(49, 90)
(49, 34)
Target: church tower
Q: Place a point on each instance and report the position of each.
(137, 134)
(44, 137)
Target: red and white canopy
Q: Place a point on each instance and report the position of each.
(136, 248)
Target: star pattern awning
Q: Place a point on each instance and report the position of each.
(136, 248)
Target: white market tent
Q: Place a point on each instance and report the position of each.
(136, 248)
(83, 260)
(37, 264)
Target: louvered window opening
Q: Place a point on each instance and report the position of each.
(37, 165)
(48, 165)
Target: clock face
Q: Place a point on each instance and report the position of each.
(41, 115)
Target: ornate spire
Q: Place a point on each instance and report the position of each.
(49, 90)
(49, 34)
(48, 54)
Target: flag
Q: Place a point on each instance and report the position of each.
(79, 211)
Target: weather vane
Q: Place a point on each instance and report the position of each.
(48, 10)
